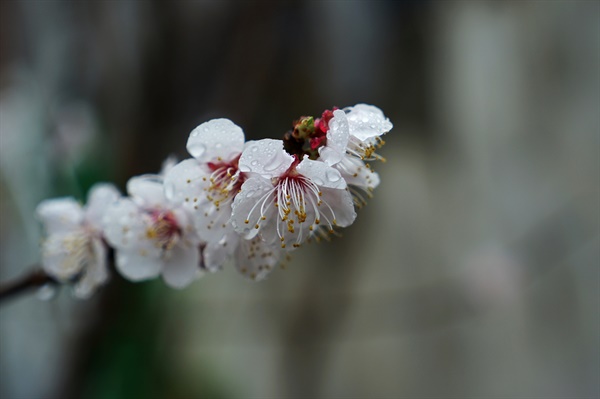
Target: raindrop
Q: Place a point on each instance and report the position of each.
(318, 181)
(332, 176)
(170, 190)
(272, 164)
(254, 162)
(196, 149)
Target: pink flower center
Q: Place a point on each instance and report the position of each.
(164, 231)
(225, 180)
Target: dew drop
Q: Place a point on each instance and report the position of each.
(318, 181)
(332, 176)
(170, 190)
(254, 162)
(196, 149)
(194, 133)
(272, 164)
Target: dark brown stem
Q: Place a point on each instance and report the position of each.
(34, 279)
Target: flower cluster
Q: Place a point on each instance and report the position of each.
(247, 201)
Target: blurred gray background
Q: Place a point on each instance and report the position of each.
(472, 273)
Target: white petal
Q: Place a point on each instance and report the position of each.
(136, 267)
(217, 253)
(181, 266)
(248, 203)
(186, 225)
(65, 255)
(356, 173)
(340, 209)
(255, 259)
(125, 227)
(168, 164)
(212, 222)
(337, 139)
(265, 157)
(60, 215)
(217, 138)
(321, 174)
(100, 197)
(96, 272)
(185, 183)
(147, 191)
(367, 121)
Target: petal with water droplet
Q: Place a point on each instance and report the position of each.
(367, 121)
(217, 138)
(265, 157)
(321, 174)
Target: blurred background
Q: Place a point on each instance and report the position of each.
(472, 273)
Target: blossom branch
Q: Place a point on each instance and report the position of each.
(35, 279)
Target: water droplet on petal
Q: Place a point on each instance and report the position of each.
(170, 190)
(318, 181)
(254, 162)
(332, 176)
(196, 149)
(272, 164)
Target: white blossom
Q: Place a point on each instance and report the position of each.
(286, 199)
(206, 184)
(353, 136)
(73, 249)
(151, 236)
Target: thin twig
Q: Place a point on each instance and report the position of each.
(34, 279)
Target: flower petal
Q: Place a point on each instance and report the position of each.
(125, 227)
(167, 164)
(367, 121)
(255, 195)
(337, 139)
(321, 174)
(100, 197)
(147, 191)
(255, 258)
(96, 272)
(356, 173)
(181, 266)
(65, 255)
(340, 210)
(217, 138)
(217, 253)
(60, 215)
(265, 157)
(185, 182)
(136, 266)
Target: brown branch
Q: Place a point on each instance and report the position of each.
(34, 279)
